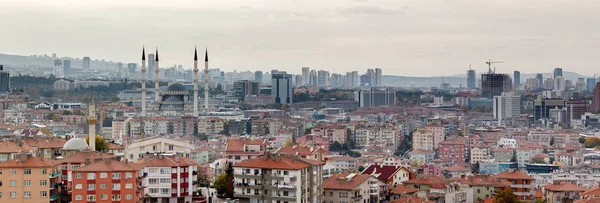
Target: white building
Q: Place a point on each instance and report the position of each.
(159, 145)
(506, 142)
(507, 105)
(170, 178)
(278, 178)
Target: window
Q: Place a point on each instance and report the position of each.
(103, 175)
(43, 194)
(44, 171)
(171, 147)
(154, 190)
(27, 182)
(74, 166)
(128, 175)
(116, 176)
(165, 171)
(128, 186)
(63, 167)
(78, 186)
(116, 197)
(128, 196)
(91, 198)
(43, 183)
(116, 186)
(27, 194)
(165, 191)
(103, 186)
(286, 173)
(13, 195)
(152, 181)
(13, 183)
(78, 197)
(64, 177)
(13, 171)
(165, 180)
(27, 171)
(103, 197)
(78, 175)
(91, 176)
(91, 187)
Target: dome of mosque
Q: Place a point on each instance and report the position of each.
(75, 144)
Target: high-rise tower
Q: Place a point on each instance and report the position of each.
(206, 76)
(195, 82)
(92, 122)
(471, 78)
(156, 82)
(144, 79)
(86, 63)
(517, 79)
(4, 80)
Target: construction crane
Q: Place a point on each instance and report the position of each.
(490, 62)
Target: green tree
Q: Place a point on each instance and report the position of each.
(354, 154)
(220, 183)
(592, 142)
(129, 103)
(101, 144)
(506, 196)
(582, 139)
(78, 112)
(514, 156)
(552, 141)
(538, 161)
(361, 168)
(115, 99)
(229, 183)
(202, 179)
(475, 168)
(67, 112)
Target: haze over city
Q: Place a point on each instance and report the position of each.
(401, 37)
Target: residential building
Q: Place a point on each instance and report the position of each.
(238, 150)
(47, 147)
(332, 132)
(423, 140)
(507, 106)
(562, 192)
(503, 154)
(390, 175)
(520, 183)
(374, 97)
(353, 187)
(77, 160)
(274, 177)
(484, 186)
(158, 145)
(211, 126)
(169, 178)
(107, 181)
(479, 153)
(28, 179)
(454, 150)
(420, 156)
(314, 153)
(9, 150)
(203, 155)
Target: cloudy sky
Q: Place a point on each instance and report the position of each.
(403, 37)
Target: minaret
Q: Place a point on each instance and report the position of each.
(92, 122)
(195, 82)
(206, 81)
(156, 82)
(144, 80)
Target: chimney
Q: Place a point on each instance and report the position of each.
(23, 157)
(126, 161)
(88, 161)
(176, 157)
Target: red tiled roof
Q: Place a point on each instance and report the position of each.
(299, 150)
(81, 156)
(592, 200)
(385, 172)
(237, 145)
(109, 165)
(10, 147)
(514, 175)
(274, 162)
(431, 181)
(456, 168)
(45, 142)
(341, 182)
(484, 180)
(411, 199)
(401, 190)
(29, 163)
(593, 192)
(113, 146)
(563, 187)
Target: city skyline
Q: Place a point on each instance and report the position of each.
(334, 35)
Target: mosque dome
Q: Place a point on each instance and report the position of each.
(75, 144)
(176, 87)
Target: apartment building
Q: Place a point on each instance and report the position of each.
(29, 179)
(8, 150)
(107, 181)
(150, 146)
(389, 135)
(353, 187)
(77, 160)
(314, 153)
(438, 132)
(423, 140)
(479, 153)
(520, 183)
(47, 147)
(170, 178)
(243, 149)
(562, 192)
(333, 133)
(278, 178)
(391, 175)
(211, 126)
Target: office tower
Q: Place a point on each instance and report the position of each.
(559, 84)
(297, 80)
(355, 79)
(258, 76)
(66, 67)
(507, 105)
(371, 80)
(274, 72)
(542, 106)
(86, 64)
(517, 79)
(532, 84)
(131, 68)
(575, 109)
(281, 84)
(568, 84)
(150, 65)
(373, 97)
(243, 88)
(493, 84)
(549, 84)
(322, 78)
(378, 77)
(4, 80)
(558, 72)
(305, 75)
(596, 99)
(313, 78)
(119, 70)
(57, 67)
(580, 85)
(471, 79)
(591, 83)
(540, 78)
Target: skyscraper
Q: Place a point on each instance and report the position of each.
(305, 75)
(67, 67)
(322, 78)
(258, 76)
(131, 68)
(281, 84)
(378, 77)
(86, 63)
(493, 84)
(471, 79)
(591, 83)
(57, 67)
(371, 78)
(507, 105)
(313, 78)
(558, 72)
(540, 78)
(4, 80)
(372, 97)
(243, 88)
(596, 99)
(517, 79)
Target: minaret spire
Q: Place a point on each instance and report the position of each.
(92, 121)
(206, 55)
(195, 81)
(156, 80)
(144, 80)
(143, 53)
(206, 76)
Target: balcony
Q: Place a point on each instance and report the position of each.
(248, 175)
(246, 185)
(247, 195)
(272, 177)
(357, 198)
(283, 198)
(284, 187)
(520, 186)
(55, 174)
(54, 197)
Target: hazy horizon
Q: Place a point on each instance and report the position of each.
(409, 38)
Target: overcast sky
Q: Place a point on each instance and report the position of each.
(403, 37)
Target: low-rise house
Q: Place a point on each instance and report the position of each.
(562, 192)
(353, 187)
(389, 174)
